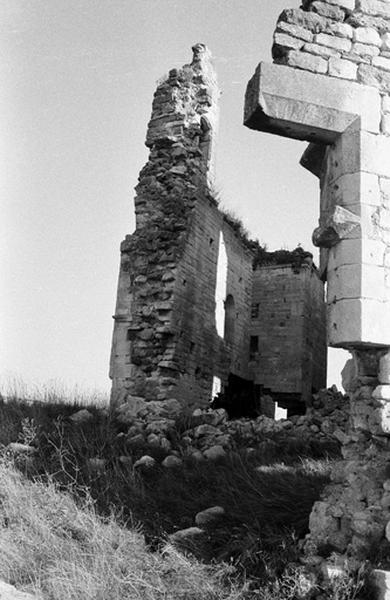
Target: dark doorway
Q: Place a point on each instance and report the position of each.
(239, 398)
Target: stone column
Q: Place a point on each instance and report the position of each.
(331, 87)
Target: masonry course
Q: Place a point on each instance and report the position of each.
(183, 325)
(348, 152)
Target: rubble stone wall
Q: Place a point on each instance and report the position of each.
(290, 326)
(181, 141)
(347, 39)
(165, 342)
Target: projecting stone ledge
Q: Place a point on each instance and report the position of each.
(307, 106)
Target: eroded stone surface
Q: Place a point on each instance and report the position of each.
(183, 322)
(349, 154)
(309, 95)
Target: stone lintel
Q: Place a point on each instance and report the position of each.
(307, 106)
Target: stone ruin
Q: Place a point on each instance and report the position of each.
(201, 309)
(187, 293)
(330, 85)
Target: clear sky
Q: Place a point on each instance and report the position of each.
(77, 81)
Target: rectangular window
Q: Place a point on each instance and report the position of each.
(255, 311)
(253, 347)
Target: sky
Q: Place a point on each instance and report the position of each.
(77, 82)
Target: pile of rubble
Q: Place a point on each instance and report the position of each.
(208, 434)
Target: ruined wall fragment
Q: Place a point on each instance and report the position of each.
(330, 85)
(165, 342)
(288, 319)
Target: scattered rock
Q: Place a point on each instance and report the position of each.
(16, 448)
(145, 462)
(197, 456)
(136, 441)
(81, 416)
(172, 462)
(214, 453)
(210, 517)
(127, 412)
(190, 540)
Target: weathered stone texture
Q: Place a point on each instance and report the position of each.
(185, 284)
(180, 137)
(349, 152)
(201, 353)
(357, 31)
(291, 354)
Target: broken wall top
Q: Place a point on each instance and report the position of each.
(346, 39)
(185, 108)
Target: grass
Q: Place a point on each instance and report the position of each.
(95, 519)
(64, 551)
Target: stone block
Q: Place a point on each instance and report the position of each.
(306, 61)
(358, 321)
(210, 517)
(386, 42)
(308, 20)
(356, 251)
(320, 50)
(340, 224)
(344, 157)
(372, 76)
(374, 7)
(375, 152)
(295, 31)
(379, 420)
(349, 375)
(345, 69)
(338, 43)
(347, 4)
(356, 281)
(284, 40)
(352, 188)
(385, 124)
(365, 50)
(386, 104)
(382, 392)
(327, 10)
(381, 62)
(341, 29)
(305, 105)
(384, 369)
(360, 19)
(367, 35)
(172, 462)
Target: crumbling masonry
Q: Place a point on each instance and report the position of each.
(201, 308)
(330, 85)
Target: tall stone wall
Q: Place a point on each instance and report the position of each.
(288, 318)
(202, 353)
(180, 138)
(165, 340)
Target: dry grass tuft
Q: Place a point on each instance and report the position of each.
(51, 546)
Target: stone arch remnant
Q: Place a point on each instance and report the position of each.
(330, 85)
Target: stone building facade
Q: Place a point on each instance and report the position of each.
(187, 287)
(330, 85)
(287, 344)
